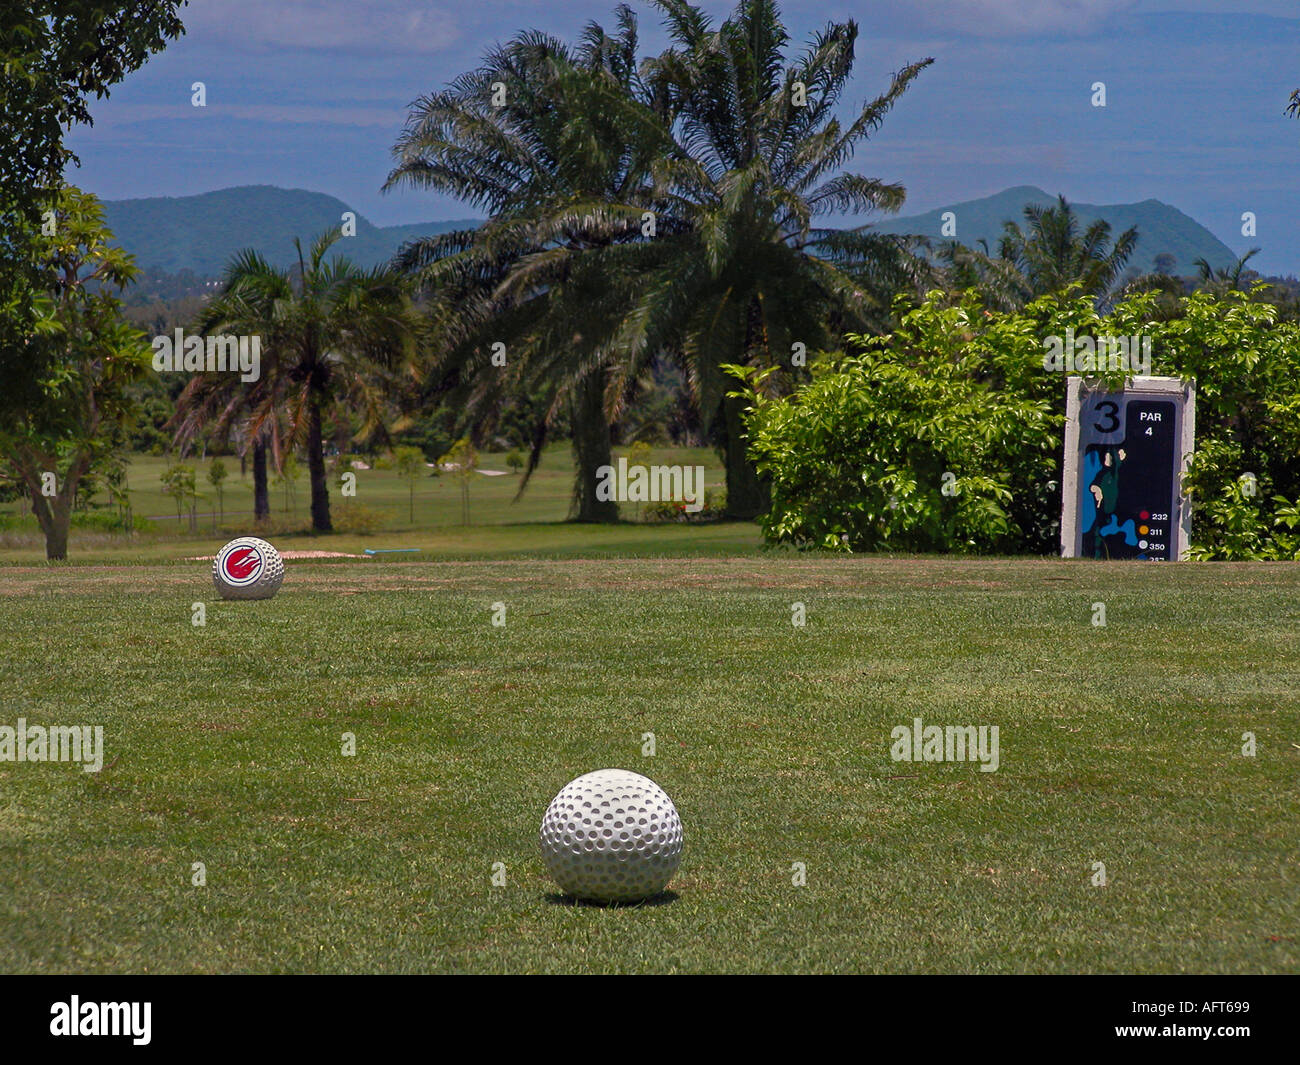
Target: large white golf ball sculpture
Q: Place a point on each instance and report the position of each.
(247, 568)
(612, 836)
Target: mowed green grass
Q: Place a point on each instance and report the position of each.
(425, 515)
(1120, 745)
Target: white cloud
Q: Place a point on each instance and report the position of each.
(393, 26)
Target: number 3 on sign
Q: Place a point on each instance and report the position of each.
(1111, 409)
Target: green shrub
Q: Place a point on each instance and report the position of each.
(715, 505)
(109, 521)
(90, 521)
(904, 444)
(358, 518)
(1245, 469)
(958, 397)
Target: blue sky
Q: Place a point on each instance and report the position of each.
(312, 94)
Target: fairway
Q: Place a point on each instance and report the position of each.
(422, 513)
(1120, 745)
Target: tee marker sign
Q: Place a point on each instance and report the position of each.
(1125, 456)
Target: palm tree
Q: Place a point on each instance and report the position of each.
(715, 141)
(329, 331)
(223, 405)
(741, 271)
(1228, 280)
(557, 144)
(1057, 252)
(999, 282)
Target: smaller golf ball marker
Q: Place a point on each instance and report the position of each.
(612, 836)
(247, 568)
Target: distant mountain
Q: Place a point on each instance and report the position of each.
(201, 233)
(1161, 228)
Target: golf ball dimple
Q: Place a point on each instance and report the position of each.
(612, 836)
(247, 568)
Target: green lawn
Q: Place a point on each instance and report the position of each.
(428, 518)
(1119, 745)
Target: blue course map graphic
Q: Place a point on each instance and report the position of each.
(1126, 499)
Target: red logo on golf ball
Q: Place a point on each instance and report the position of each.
(242, 564)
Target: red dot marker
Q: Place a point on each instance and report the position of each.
(1144, 515)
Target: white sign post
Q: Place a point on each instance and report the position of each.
(1125, 456)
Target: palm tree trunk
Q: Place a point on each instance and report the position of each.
(320, 492)
(747, 493)
(261, 497)
(591, 449)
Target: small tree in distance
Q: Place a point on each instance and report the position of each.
(287, 478)
(179, 483)
(461, 461)
(118, 495)
(409, 462)
(216, 475)
(639, 455)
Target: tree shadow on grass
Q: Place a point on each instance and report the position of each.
(664, 898)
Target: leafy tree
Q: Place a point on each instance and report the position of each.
(1168, 288)
(427, 430)
(53, 55)
(1166, 264)
(1243, 472)
(329, 331)
(79, 403)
